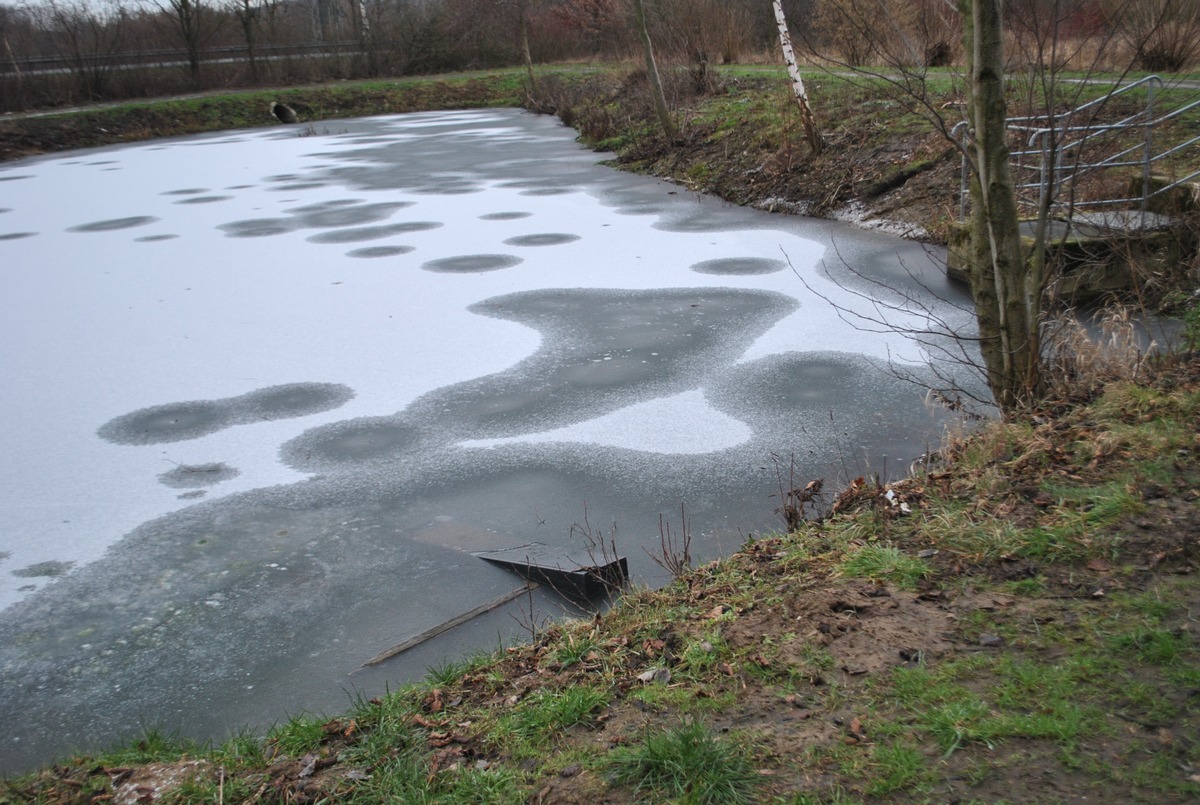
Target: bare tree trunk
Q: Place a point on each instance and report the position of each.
(190, 18)
(247, 15)
(20, 103)
(813, 134)
(660, 99)
(523, 12)
(1008, 296)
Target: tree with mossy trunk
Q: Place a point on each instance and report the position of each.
(1007, 291)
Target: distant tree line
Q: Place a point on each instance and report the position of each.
(55, 52)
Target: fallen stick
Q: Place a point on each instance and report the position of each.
(450, 624)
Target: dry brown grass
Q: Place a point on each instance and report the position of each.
(1083, 359)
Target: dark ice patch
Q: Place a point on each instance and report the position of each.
(347, 215)
(177, 422)
(833, 398)
(52, 569)
(114, 223)
(357, 234)
(259, 227)
(600, 350)
(16, 235)
(642, 208)
(173, 422)
(545, 239)
(155, 238)
(325, 206)
(185, 191)
(15, 178)
(504, 216)
(548, 191)
(203, 199)
(471, 263)
(193, 476)
(294, 399)
(380, 251)
(349, 444)
(739, 266)
(297, 186)
(456, 189)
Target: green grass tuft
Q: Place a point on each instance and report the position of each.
(687, 764)
(886, 563)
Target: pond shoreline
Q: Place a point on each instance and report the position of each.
(1015, 621)
(894, 180)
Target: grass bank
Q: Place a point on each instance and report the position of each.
(1016, 622)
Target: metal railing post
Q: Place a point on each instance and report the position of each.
(962, 132)
(1148, 147)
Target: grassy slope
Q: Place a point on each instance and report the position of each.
(1014, 623)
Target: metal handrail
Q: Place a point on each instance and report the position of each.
(1150, 79)
(1057, 166)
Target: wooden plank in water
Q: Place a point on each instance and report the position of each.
(573, 574)
(429, 634)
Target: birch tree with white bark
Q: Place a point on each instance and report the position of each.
(811, 131)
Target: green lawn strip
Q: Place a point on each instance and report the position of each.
(1110, 680)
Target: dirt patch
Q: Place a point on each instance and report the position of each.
(155, 781)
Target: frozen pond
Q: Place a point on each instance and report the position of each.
(263, 393)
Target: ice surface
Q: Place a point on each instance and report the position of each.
(261, 388)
